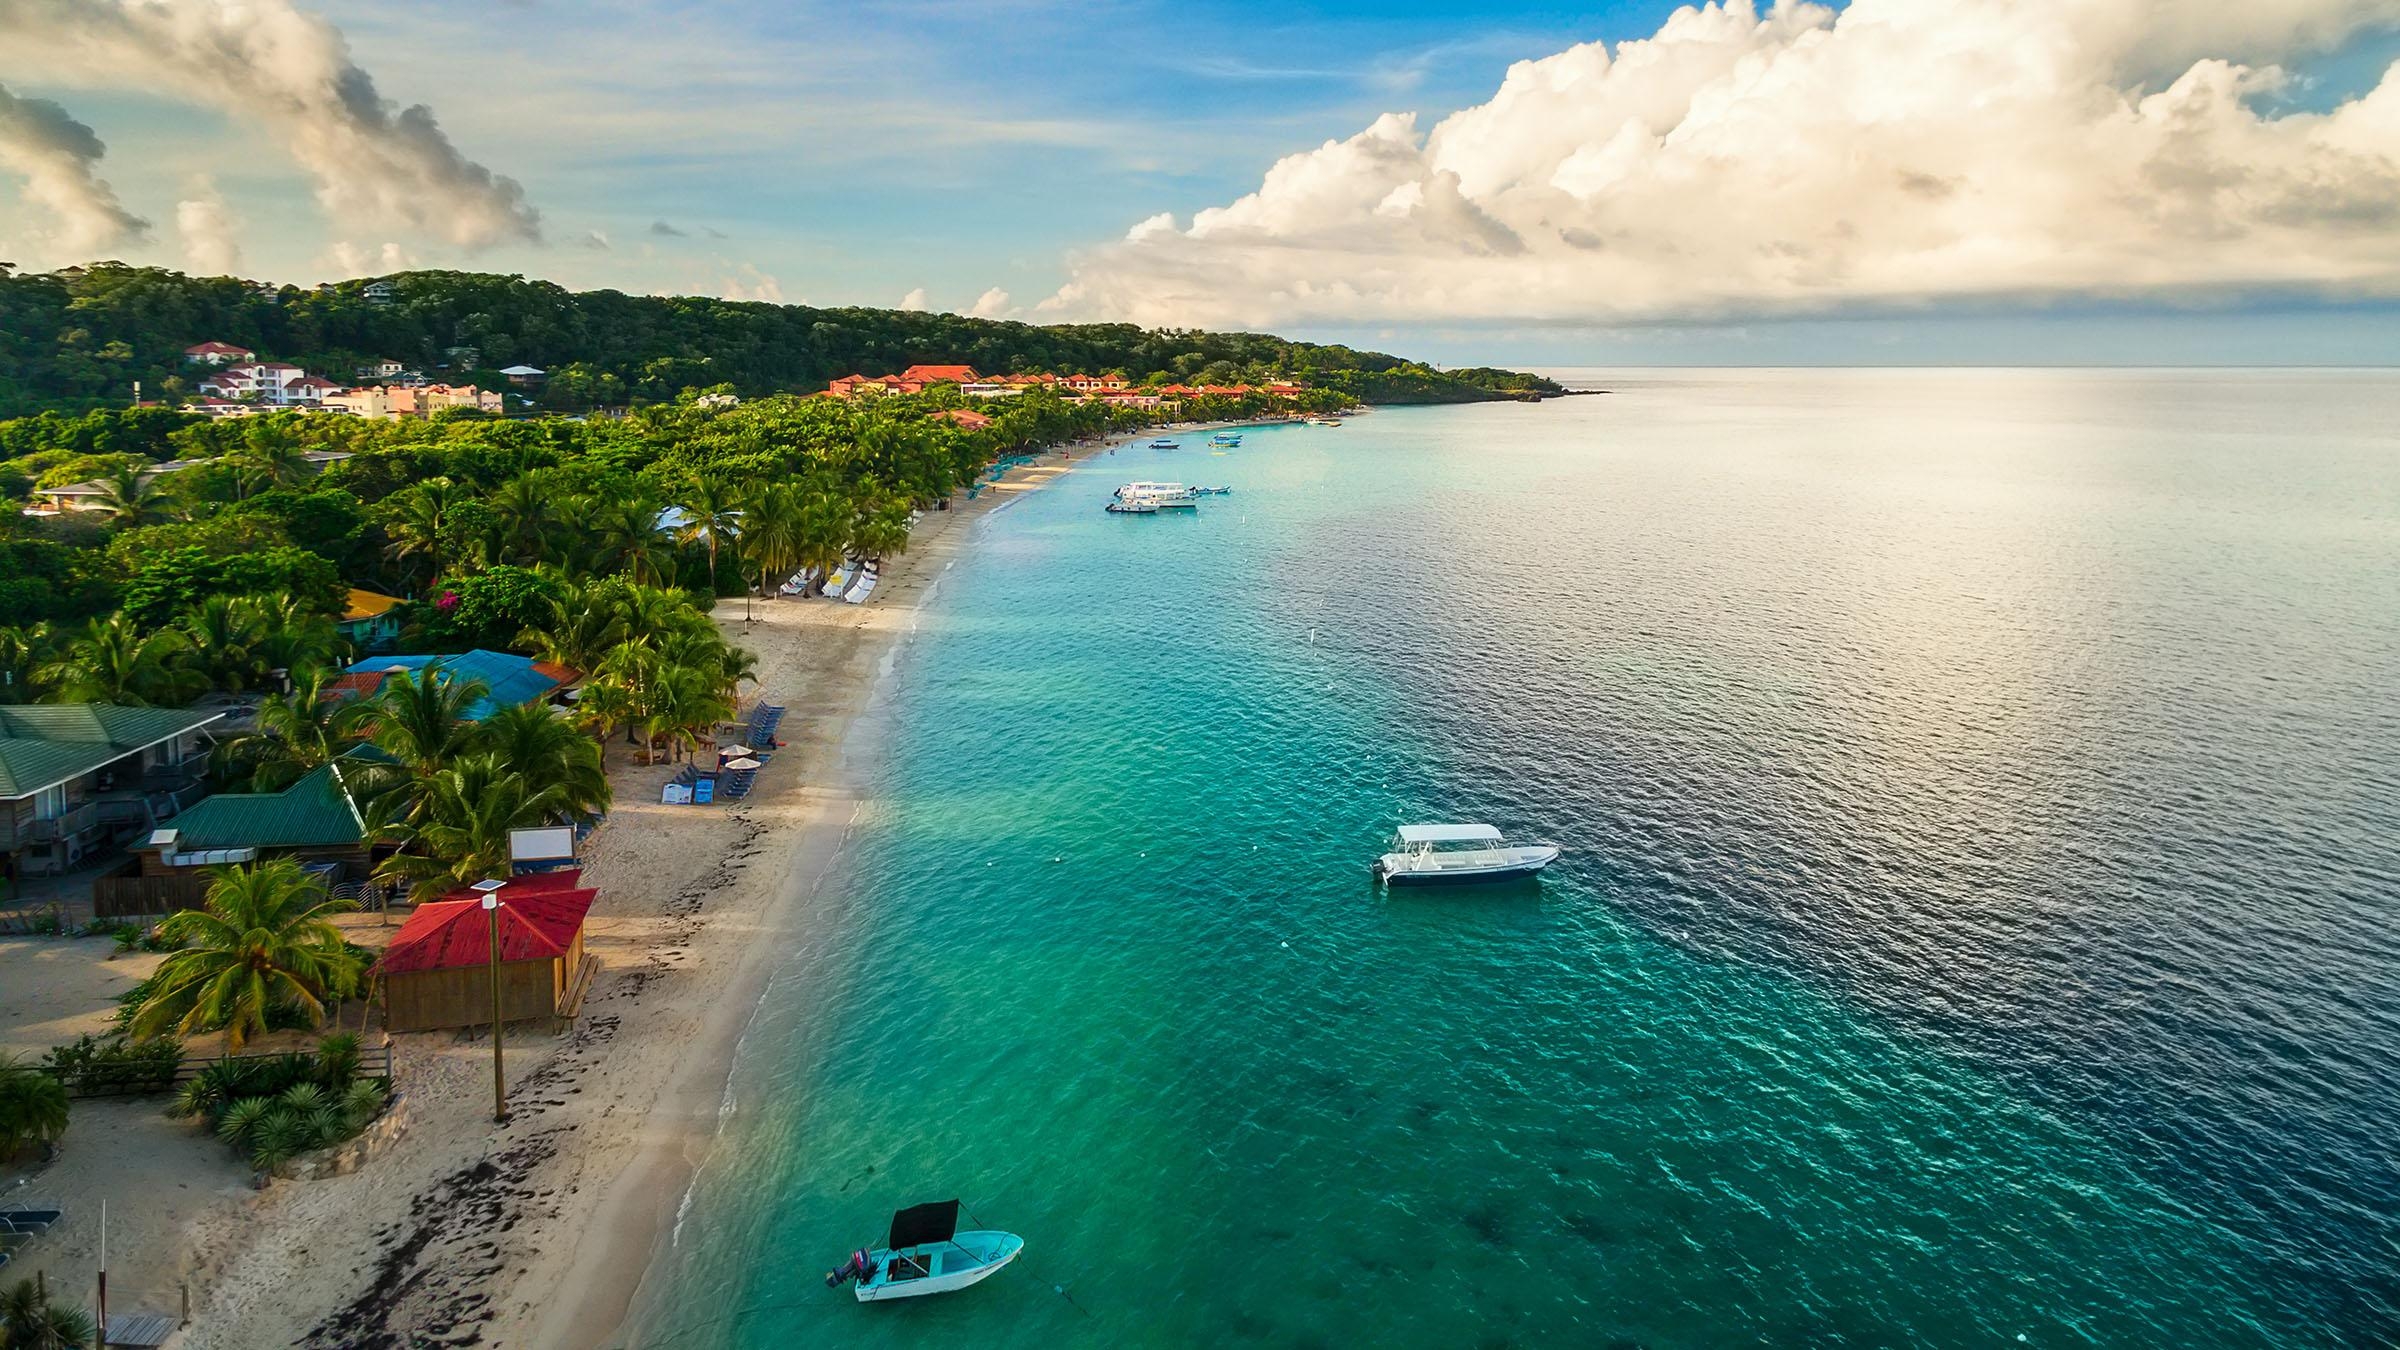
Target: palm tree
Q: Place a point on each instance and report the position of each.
(297, 732)
(461, 835)
(113, 661)
(824, 527)
(414, 525)
(548, 753)
(624, 529)
(33, 1107)
(419, 720)
(772, 522)
(586, 622)
(709, 516)
(265, 942)
(530, 514)
(268, 457)
(291, 639)
(220, 635)
(25, 653)
(683, 701)
(31, 1320)
(130, 495)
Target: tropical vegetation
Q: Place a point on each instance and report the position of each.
(273, 1108)
(33, 1107)
(264, 943)
(30, 1319)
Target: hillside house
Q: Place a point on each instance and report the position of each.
(217, 354)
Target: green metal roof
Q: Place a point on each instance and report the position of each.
(312, 812)
(44, 744)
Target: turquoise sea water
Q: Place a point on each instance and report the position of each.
(1982, 801)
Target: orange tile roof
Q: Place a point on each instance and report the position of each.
(367, 604)
(934, 374)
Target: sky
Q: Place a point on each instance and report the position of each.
(1886, 182)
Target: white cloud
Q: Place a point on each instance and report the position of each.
(212, 237)
(377, 165)
(915, 299)
(748, 283)
(348, 259)
(1738, 162)
(59, 157)
(992, 304)
(595, 240)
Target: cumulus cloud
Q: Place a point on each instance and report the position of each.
(212, 237)
(992, 304)
(59, 159)
(376, 164)
(350, 259)
(1796, 159)
(915, 299)
(749, 283)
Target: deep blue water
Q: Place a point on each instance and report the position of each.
(1982, 801)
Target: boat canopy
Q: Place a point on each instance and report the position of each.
(1449, 834)
(918, 1225)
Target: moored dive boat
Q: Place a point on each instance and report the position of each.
(1162, 443)
(926, 1254)
(1226, 438)
(1131, 506)
(1419, 856)
(1170, 496)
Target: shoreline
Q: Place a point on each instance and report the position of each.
(599, 1298)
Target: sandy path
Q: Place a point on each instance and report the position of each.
(537, 1232)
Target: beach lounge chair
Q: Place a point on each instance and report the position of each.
(704, 791)
(28, 1221)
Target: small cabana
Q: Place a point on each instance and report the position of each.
(436, 973)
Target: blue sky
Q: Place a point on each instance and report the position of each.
(865, 154)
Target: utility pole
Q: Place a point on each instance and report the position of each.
(491, 912)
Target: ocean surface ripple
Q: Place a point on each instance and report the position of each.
(1978, 926)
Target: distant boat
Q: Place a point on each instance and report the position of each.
(1419, 858)
(1132, 506)
(1212, 492)
(1162, 443)
(1325, 421)
(1226, 438)
(926, 1254)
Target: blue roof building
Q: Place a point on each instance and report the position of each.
(511, 679)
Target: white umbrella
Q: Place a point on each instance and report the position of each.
(738, 750)
(745, 762)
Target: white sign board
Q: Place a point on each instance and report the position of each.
(546, 844)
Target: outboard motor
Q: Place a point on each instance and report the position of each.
(859, 1267)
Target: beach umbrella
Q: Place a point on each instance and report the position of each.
(738, 750)
(745, 762)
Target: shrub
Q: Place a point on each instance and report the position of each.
(116, 1065)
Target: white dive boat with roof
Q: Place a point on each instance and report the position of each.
(1167, 495)
(926, 1254)
(1162, 443)
(1432, 855)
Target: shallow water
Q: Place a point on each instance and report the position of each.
(1978, 924)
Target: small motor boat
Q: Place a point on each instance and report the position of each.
(926, 1254)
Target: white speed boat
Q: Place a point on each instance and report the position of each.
(926, 1254)
(1433, 855)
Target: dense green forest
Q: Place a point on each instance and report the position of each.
(70, 343)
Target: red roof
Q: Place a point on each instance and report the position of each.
(965, 417)
(356, 684)
(932, 374)
(215, 349)
(448, 934)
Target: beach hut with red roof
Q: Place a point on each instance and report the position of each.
(436, 973)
